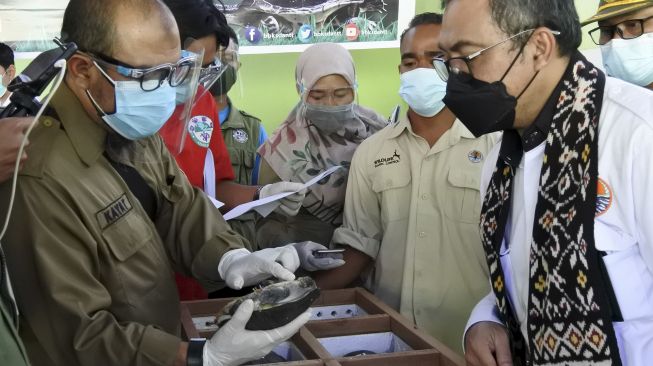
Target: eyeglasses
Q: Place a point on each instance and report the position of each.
(462, 65)
(628, 29)
(152, 78)
(338, 96)
(209, 73)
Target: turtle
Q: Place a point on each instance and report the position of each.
(275, 305)
(287, 16)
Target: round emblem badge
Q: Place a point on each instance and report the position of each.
(475, 156)
(240, 136)
(603, 197)
(200, 129)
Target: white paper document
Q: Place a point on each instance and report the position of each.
(215, 202)
(266, 205)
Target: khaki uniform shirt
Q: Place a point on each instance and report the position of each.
(92, 274)
(415, 210)
(12, 351)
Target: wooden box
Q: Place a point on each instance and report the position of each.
(342, 321)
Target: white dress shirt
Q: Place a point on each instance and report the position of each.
(623, 226)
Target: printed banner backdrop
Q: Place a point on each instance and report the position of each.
(28, 26)
(293, 25)
(270, 26)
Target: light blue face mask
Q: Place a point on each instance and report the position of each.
(3, 87)
(630, 59)
(423, 90)
(139, 114)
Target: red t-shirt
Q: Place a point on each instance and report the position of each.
(203, 132)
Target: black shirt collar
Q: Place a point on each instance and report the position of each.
(514, 145)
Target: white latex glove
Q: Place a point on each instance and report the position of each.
(310, 262)
(240, 268)
(234, 345)
(289, 205)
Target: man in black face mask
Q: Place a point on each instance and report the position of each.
(565, 222)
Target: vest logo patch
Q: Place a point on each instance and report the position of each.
(475, 156)
(392, 159)
(603, 197)
(114, 211)
(200, 129)
(240, 136)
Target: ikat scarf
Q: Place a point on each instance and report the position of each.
(569, 312)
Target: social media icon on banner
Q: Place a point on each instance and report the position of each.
(352, 32)
(305, 33)
(252, 34)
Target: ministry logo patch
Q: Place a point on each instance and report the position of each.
(240, 136)
(603, 197)
(200, 129)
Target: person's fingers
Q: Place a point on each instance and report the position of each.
(277, 270)
(284, 332)
(502, 348)
(296, 197)
(327, 263)
(484, 357)
(23, 123)
(235, 281)
(242, 315)
(289, 210)
(289, 259)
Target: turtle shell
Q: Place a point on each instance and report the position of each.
(275, 305)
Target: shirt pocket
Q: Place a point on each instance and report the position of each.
(393, 188)
(241, 158)
(136, 265)
(462, 196)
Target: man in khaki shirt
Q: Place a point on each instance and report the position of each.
(412, 206)
(103, 215)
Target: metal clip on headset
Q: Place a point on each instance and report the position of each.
(31, 83)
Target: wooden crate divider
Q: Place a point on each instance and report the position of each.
(380, 317)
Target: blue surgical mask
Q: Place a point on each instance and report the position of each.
(139, 114)
(423, 90)
(630, 59)
(3, 87)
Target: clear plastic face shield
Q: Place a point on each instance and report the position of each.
(221, 75)
(174, 132)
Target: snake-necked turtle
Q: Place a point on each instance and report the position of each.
(287, 16)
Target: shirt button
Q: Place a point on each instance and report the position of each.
(47, 123)
(421, 234)
(425, 196)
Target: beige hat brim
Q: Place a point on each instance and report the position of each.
(615, 13)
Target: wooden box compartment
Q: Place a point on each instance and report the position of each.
(343, 320)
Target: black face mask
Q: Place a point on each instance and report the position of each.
(481, 106)
(225, 82)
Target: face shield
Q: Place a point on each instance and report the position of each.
(175, 130)
(222, 79)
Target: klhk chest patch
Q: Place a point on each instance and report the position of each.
(200, 129)
(603, 197)
(475, 156)
(114, 211)
(240, 136)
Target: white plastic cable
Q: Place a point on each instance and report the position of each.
(61, 64)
